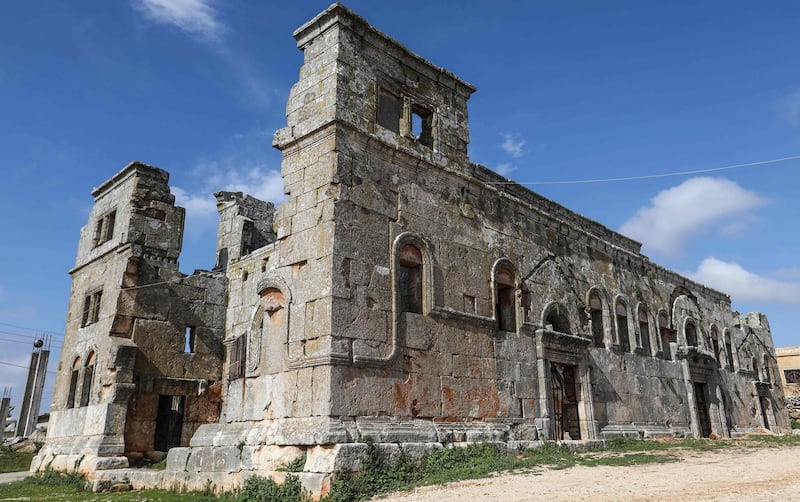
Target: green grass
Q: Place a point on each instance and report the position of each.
(627, 459)
(13, 461)
(56, 486)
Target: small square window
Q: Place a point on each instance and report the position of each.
(422, 125)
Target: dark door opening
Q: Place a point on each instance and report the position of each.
(566, 422)
(701, 405)
(764, 405)
(169, 422)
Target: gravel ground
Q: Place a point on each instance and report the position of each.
(728, 474)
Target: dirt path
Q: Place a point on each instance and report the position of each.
(727, 474)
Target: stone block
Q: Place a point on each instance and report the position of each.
(335, 458)
(177, 459)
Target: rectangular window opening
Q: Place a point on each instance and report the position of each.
(422, 125)
(597, 327)
(110, 219)
(506, 318)
(91, 308)
(189, 340)
(73, 386)
(87, 305)
(622, 328)
(410, 288)
(792, 376)
(94, 315)
(238, 358)
(644, 329)
(86, 386)
(104, 228)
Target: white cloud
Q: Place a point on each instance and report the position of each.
(513, 146)
(505, 169)
(201, 206)
(742, 285)
(195, 17)
(699, 204)
(199, 18)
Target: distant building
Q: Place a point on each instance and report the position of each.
(402, 293)
(789, 369)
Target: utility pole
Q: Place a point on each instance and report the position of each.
(34, 387)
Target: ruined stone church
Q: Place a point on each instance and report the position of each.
(401, 293)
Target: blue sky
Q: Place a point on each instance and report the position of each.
(566, 91)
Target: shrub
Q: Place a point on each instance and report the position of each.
(261, 489)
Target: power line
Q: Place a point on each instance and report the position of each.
(33, 329)
(14, 341)
(23, 367)
(646, 176)
(30, 338)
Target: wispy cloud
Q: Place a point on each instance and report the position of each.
(201, 20)
(684, 211)
(259, 181)
(789, 107)
(243, 167)
(743, 285)
(196, 17)
(512, 145)
(505, 169)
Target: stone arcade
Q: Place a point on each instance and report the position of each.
(402, 293)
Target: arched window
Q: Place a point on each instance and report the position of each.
(73, 382)
(596, 310)
(88, 379)
(767, 374)
(644, 330)
(505, 299)
(729, 350)
(691, 333)
(622, 326)
(409, 279)
(557, 318)
(666, 335)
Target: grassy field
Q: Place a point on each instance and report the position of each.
(12, 461)
(379, 477)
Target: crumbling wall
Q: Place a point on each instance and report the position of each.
(245, 224)
(129, 318)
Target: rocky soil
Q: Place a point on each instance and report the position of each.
(722, 475)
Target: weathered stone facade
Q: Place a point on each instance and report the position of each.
(402, 293)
